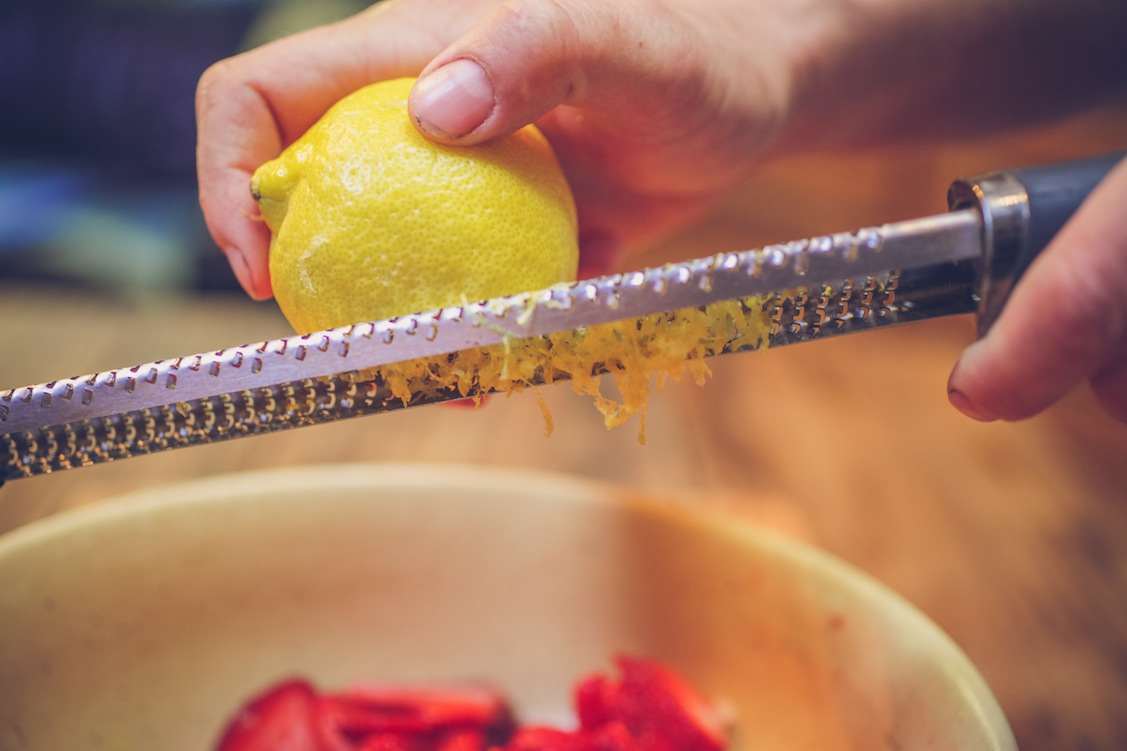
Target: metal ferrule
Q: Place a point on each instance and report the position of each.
(1003, 203)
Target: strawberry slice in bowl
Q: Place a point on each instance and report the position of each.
(648, 707)
(391, 709)
(658, 707)
(282, 718)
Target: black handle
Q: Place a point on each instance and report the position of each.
(1022, 210)
(1055, 192)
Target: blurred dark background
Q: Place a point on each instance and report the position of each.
(97, 141)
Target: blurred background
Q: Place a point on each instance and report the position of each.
(97, 145)
(1011, 536)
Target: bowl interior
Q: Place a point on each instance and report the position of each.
(143, 624)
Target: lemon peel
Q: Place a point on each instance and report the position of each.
(369, 219)
(638, 355)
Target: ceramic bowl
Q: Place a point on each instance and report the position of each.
(143, 623)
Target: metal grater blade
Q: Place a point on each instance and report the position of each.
(810, 289)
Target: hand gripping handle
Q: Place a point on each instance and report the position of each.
(1022, 210)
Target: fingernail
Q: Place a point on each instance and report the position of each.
(962, 402)
(958, 398)
(241, 269)
(453, 100)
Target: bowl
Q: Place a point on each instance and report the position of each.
(144, 623)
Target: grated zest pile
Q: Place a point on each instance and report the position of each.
(639, 355)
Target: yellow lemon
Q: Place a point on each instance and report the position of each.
(371, 220)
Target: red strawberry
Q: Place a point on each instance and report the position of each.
(594, 700)
(613, 736)
(662, 711)
(650, 708)
(279, 719)
(462, 740)
(391, 742)
(330, 734)
(394, 710)
(537, 738)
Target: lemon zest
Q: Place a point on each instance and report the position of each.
(638, 355)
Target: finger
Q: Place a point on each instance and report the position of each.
(1066, 320)
(531, 56)
(249, 107)
(616, 218)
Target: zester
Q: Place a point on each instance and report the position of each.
(963, 261)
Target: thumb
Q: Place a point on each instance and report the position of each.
(1065, 323)
(533, 55)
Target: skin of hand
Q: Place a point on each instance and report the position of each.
(657, 107)
(1066, 322)
(654, 108)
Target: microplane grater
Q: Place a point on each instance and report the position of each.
(962, 261)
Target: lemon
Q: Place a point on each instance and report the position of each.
(370, 220)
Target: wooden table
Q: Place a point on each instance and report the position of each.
(1012, 537)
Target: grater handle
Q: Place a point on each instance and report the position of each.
(1022, 210)
(1055, 192)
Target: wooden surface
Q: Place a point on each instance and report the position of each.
(1012, 537)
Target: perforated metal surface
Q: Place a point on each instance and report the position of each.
(813, 288)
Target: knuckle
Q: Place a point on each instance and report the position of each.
(214, 81)
(564, 36)
(557, 17)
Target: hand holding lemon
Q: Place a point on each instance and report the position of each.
(650, 121)
(371, 220)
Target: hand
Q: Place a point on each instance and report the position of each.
(654, 108)
(1065, 323)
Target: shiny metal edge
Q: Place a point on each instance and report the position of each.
(1003, 206)
(803, 314)
(913, 244)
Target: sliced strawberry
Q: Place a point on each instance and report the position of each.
(279, 719)
(594, 701)
(392, 742)
(395, 710)
(330, 734)
(662, 711)
(462, 740)
(538, 738)
(612, 736)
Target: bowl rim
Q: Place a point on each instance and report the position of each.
(234, 487)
